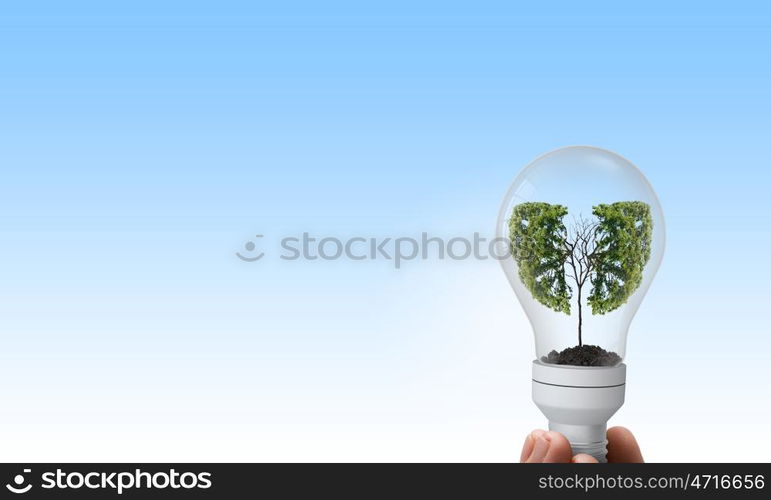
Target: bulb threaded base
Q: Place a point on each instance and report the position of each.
(598, 450)
(589, 439)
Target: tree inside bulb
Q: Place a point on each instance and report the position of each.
(598, 261)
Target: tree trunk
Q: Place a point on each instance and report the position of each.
(580, 318)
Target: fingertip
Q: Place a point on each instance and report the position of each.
(527, 448)
(623, 447)
(619, 429)
(583, 458)
(559, 448)
(541, 444)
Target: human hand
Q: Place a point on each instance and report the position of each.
(552, 447)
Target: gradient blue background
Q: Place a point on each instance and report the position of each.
(142, 144)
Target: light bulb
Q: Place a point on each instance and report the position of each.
(586, 236)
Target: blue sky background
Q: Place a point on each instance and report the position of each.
(143, 144)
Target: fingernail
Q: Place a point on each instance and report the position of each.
(541, 448)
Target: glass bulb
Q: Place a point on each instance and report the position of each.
(586, 234)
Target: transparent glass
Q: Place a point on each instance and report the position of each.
(579, 178)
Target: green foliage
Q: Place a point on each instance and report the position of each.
(538, 245)
(610, 253)
(623, 247)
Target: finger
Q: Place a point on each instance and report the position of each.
(559, 449)
(583, 458)
(527, 448)
(535, 447)
(623, 447)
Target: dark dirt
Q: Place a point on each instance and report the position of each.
(585, 355)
